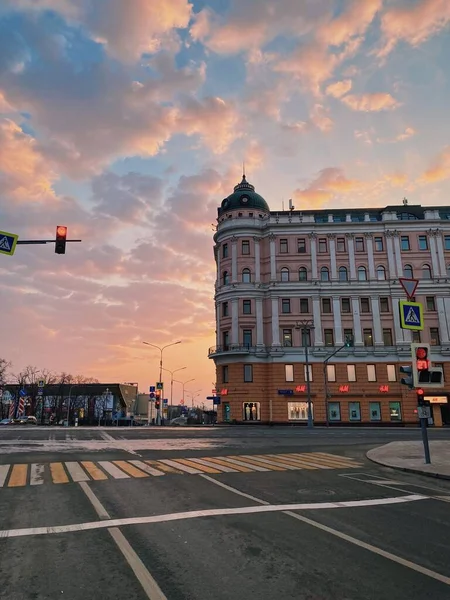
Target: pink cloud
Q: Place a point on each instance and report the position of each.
(439, 169)
(353, 21)
(320, 117)
(371, 102)
(330, 184)
(339, 88)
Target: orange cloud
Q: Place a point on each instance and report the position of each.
(406, 134)
(339, 88)
(371, 102)
(351, 22)
(330, 184)
(440, 170)
(320, 117)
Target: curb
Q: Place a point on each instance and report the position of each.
(434, 475)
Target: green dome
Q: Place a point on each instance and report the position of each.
(244, 196)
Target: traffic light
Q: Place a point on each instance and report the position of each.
(423, 374)
(420, 397)
(61, 238)
(349, 341)
(409, 381)
(158, 399)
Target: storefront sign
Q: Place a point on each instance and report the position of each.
(384, 389)
(436, 399)
(300, 388)
(224, 392)
(344, 388)
(285, 392)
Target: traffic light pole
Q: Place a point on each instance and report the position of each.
(426, 446)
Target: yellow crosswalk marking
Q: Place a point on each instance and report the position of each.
(333, 461)
(163, 467)
(194, 465)
(224, 463)
(254, 460)
(130, 469)
(304, 460)
(96, 473)
(18, 477)
(286, 459)
(58, 473)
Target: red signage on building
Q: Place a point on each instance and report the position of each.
(224, 392)
(384, 389)
(300, 388)
(344, 388)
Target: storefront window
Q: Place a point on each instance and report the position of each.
(395, 411)
(226, 412)
(334, 411)
(251, 411)
(354, 411)
(375, 411)
(298, 411)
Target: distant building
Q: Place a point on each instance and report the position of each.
(333, 274)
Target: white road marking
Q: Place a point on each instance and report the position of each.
(37, 474)
(241, 463)
(113, 470)
(180, 466)
(234, 490)
(98, 506)
(394, 485)
(267, 461)
(144, 467)
(3, 474)
(76, 472)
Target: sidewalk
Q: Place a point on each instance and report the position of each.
(409, 456)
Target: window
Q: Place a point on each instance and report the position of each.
(426, 272)
(447, 242)
(371, 373)
(247, 338)
(324, 274)
(345, 305)
(351, 372)
(225, 340)
(301, 245)
(334, 411)
(284, 246)
(381, 273)
(384, 305)
(328, 337)
(408, 272)
(245, 247)
(302, 274)
(289, 372)
(343, 275)
(365, 305)
(416, 337)
(224, 309)
(395, 411)
(387, 337)
(225, 251)
(359, 244)
(368, 337)
(326, 305)
(348, 334)
(287, 337)
(431, 303)
(340, 244)
(435, 339)
(284, 274)
(378, 244)
(226, 278)
(309, 372)
(224, 373)
(247, 307)
(404, 242)
(251, 411)
(362, 274)
(285, 306)
(404, 216)
(331, 373)
(246, 276)
(391, 373)
(423, 242)
(304, 305)
(323, 245)
(354, 411)
(298, 411)
(375, 411)
(248, 373)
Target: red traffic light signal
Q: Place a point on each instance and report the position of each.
(420, 392)
(61, 238)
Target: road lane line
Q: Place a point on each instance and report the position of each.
(217, 465)
(4, 470)
(130, 469)
(181, 467)
(146, 468)
(113, 470)
(58, 473)
(166, 468)
(148, 583)
(37, 474)
(18, 477)
(93, 470)
(76, 472)
(225, 463)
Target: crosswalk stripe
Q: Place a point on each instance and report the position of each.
(305, 461)
(146, 468)
(181, 467)
(332, 462)
(253, 460)
(286, 459)
(191, 463)
(324, 461)
(130, 469)
(113, 470)
(37, 474)
(265, 459)
(166, 468)
(337, 460)
(96, 473)
(334, 457)
(209, 463)
(4, 470)
(76, 472)
(18, 476)
(223, 461)
(58, 473)
(234, 460)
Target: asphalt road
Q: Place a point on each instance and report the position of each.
(324, 524)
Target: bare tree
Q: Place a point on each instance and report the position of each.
(4, 374)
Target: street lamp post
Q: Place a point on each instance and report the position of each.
(305, 327)
(183, 383)
(172, 380)
(194, 395)
(158, 412)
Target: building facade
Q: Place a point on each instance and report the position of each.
(293, 286)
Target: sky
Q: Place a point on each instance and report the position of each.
(128, 122)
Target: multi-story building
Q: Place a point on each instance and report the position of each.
(293, 286)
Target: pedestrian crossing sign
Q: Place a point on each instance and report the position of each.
(411, 315)
(8, 242)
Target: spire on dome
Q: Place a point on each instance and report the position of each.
(244, 185)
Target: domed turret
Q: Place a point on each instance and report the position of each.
(244, 196)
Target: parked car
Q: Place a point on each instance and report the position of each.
(26, 420)
(178, 422)
(6, 422)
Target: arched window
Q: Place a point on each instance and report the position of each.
(226, 278)
(246, 276)
(362, 274)
(408, 272)
(284, 274)
(426, 272)
(381, 273)
(302, 274)
(324, 274)
(343, 274)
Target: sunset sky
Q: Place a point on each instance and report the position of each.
(128, 121)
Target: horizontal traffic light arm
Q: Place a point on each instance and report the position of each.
(43, 241)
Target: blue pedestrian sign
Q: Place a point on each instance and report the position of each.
(152, 388)
(8, 242)
(411, 315)
(23, 393)
(165, 401)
